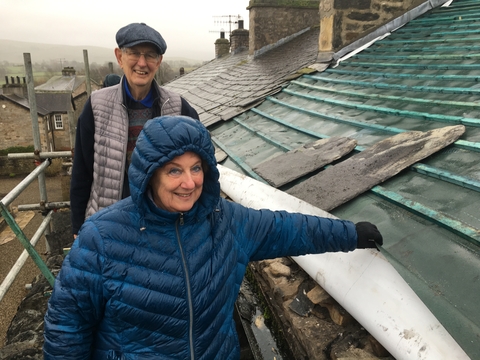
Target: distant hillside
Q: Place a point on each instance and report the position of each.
(12, 52)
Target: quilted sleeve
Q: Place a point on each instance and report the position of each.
(267, 234)
(76, 304)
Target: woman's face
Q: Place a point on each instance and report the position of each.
(178, 184)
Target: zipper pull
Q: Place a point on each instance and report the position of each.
(181, 219)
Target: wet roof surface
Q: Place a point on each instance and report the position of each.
(55, 102)
(226, 87)
(61, 83)
(423, 76)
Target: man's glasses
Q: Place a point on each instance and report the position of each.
(133, 55)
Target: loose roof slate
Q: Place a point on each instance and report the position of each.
(381, 161)
(423, 76)
(307, 159)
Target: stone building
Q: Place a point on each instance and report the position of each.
(71, 83)
(58, 100)
(15, 119)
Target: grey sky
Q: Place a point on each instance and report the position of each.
(186, 25)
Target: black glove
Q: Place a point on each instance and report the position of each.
(368, 235)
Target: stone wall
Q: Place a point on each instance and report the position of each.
(16, 126)
(344, 21)
(341, 21)
(58, 139)
(273, 20)
(10, 167)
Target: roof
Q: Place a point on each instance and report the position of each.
(61, 83)
(54, 102)
(230, 85)
(24, 103)
(423, 76)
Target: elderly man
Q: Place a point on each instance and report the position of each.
(113, 117)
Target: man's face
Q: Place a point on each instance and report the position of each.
(139, 64)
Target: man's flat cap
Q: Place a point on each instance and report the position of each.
(139, 33)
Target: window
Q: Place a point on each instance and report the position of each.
(58, 121)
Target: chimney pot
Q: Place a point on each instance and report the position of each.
(68, 71)
(6, 79)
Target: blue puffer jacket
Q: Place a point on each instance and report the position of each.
(143, 283)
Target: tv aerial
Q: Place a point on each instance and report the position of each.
(223, 20)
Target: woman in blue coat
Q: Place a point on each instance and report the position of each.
(156, 275)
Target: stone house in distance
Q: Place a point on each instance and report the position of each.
(58, 100)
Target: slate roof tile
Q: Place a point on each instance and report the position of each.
(244, 79)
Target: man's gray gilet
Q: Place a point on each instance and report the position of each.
(110, 142)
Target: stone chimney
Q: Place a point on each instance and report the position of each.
(346, 25)
(68, 71)
(274, 20)
(18, 88)
(239, 38)
(222, 46)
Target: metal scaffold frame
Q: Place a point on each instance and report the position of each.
(43, 160)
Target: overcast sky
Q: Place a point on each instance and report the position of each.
(186, 25)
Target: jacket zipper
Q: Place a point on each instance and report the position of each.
(125, 145)
(161, 108)
(180, 222)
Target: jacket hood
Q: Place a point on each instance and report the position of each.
(160, 141)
